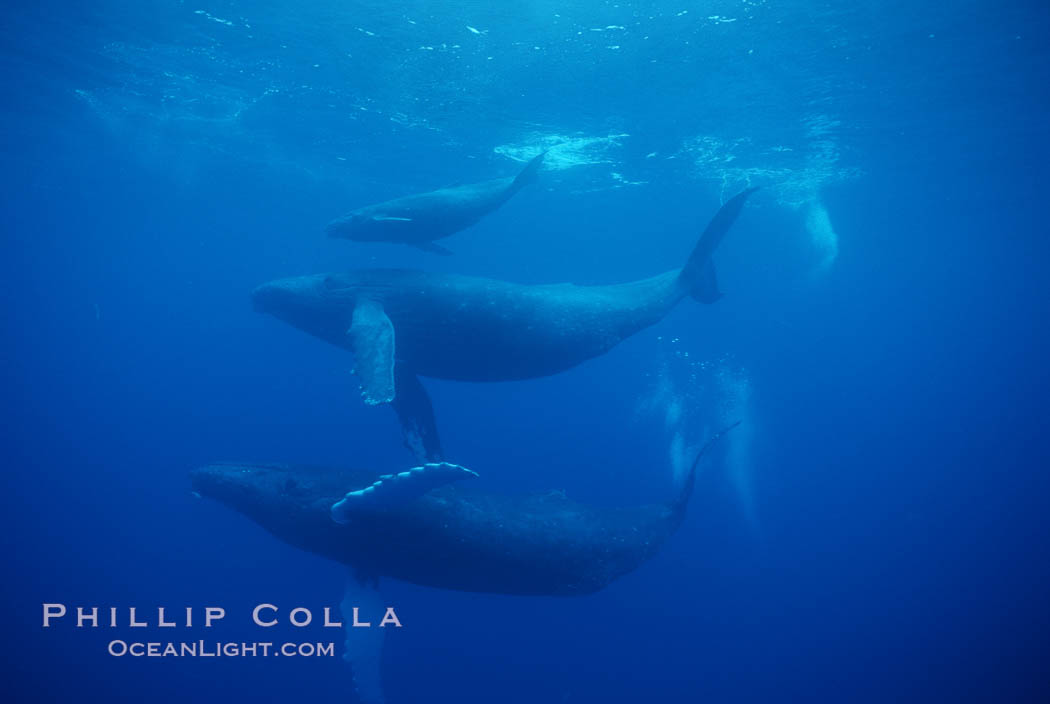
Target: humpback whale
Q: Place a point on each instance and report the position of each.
(401, 324)
(415, 527)
(436, 535)
(450, 538)
(418, 220)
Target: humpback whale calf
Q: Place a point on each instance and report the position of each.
(420, 219)
(401, 324)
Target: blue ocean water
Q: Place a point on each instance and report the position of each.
(874, 530)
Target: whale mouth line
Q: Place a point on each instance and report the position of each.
(262, 296)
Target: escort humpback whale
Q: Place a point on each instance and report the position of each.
(401, 324)
(447, 537)
(414, 527)
(418, 220)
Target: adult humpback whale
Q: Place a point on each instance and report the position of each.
(420, 219)
(451, 538)
(400, 324)
(448, 537)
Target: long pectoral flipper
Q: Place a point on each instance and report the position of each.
(363, 648)
(372, 341)
(416, 414)
(396, 489)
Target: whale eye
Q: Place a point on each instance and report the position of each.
(335, 287)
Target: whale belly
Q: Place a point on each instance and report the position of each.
(491, 360)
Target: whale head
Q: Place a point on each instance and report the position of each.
(250, 489)
(264, 491)
(294, 504)
(320, 304)
(284, 294)
(290, 502)
(347, 226)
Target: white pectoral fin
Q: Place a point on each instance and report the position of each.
(372, 341)
(362, 603)
(395, 489)
(390, 218)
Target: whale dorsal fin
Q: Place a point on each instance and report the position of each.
(372, 341)
(397, 489)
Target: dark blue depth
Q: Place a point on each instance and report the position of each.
(877, 533)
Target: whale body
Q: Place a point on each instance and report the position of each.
(400, 324)
(399, 526)
(450, 537)
(418, 220)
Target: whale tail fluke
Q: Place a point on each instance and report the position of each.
(698, 274)
(530, 173)
(678, 506)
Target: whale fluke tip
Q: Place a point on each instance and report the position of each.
(698, 275)
(529, 173)
(678, 507)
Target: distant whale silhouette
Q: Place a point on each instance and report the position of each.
(420, 219)
(400, 324)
